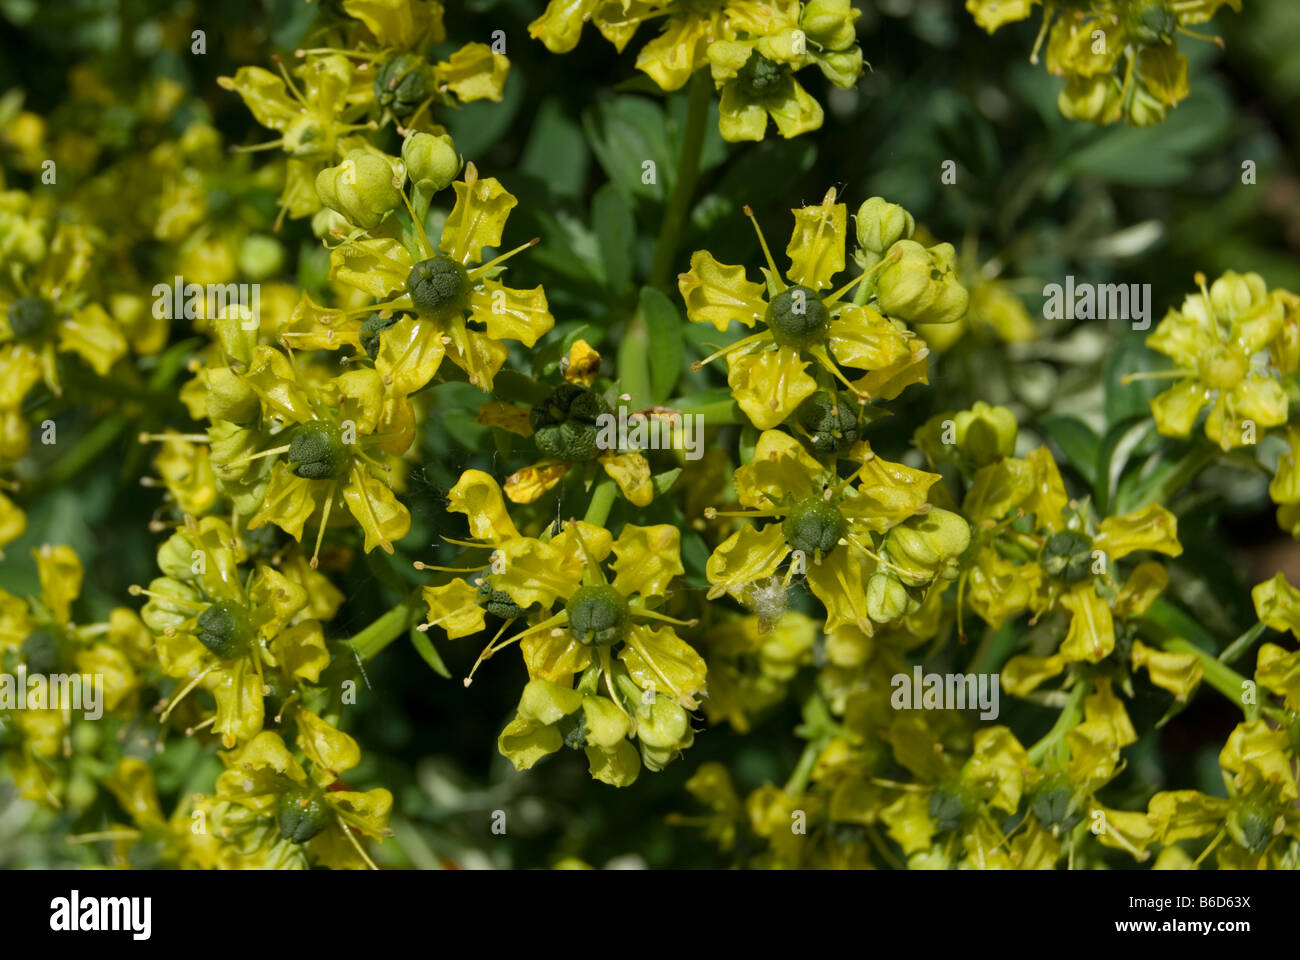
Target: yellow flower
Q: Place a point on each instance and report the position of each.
(433, 293)
(309, 120)
(217, 628)
(44, 311)
(1218, 340)
(802, 325)
(266, 778)
(828, 527)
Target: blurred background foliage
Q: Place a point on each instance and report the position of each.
(1037, 197)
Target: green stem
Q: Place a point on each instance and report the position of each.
(699, 97)
(384, 630)
(716, 413)
(602, 500)
(1067, 721)
(1218, 675)
(798, 781)
(94, 442)
(1177, 478)
(1243, 643)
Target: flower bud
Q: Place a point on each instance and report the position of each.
(361, 188)
(880, 225)
(260, 256)
(925, 547)
(921, 286)
(1091, 99)
(887, 598)
(229, 397)
(1234, 294)
(985, 433)
(829, 23)
(431, 162)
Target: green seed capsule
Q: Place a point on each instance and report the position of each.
(761, 78)
(497, 602)
(371, 328)
(1051, 804)
(439, 287)
(42, 651)
(403, 83)
(814, 526)
(597, 615)
(830, 421)
(301, 815)
(224, 628)
(566, 426)
(950, 805)
(1152, 21)
(30, 317)
(797, 317)
(317, 451)
(1067, 556)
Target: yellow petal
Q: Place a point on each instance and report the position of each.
(454, 607)
(716, 293)
(381, 517)
(746, 556)
(816, 248)
(410, 352)
(530, 483)
(510, 314)
(781, 467)
(769, 384)
(631, 471)
(478, 218)
(477, 496)
(474, 72)
(647, 559)
(1151, 528)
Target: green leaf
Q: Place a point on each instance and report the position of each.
(615, 228)
(1077, 441)
(667, 350)
(625, 132)
(1117, 448)
(424, 646)
(556, 153)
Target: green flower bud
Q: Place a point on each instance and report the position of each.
(1234, 295)
(404, 81)
(1151, 21)
(361, 188)
(881, 224)
(1146, 110)
(761, 79)
(927, 547)
(440, 287)
(814, 526)
(431, 162)
(830, 421)
(42, 651)
(829, 23)
(317, 450)
(1091, 99)
(663, 731)
(260, 256)
(985, 434)
(597, 615)
(566, 425)
(31, 318)
(887, 598)
(797, 317)
(371, 328)
(921, 286)
(229, 397)
(225, 629)
(301, 815)
(1067, 556)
